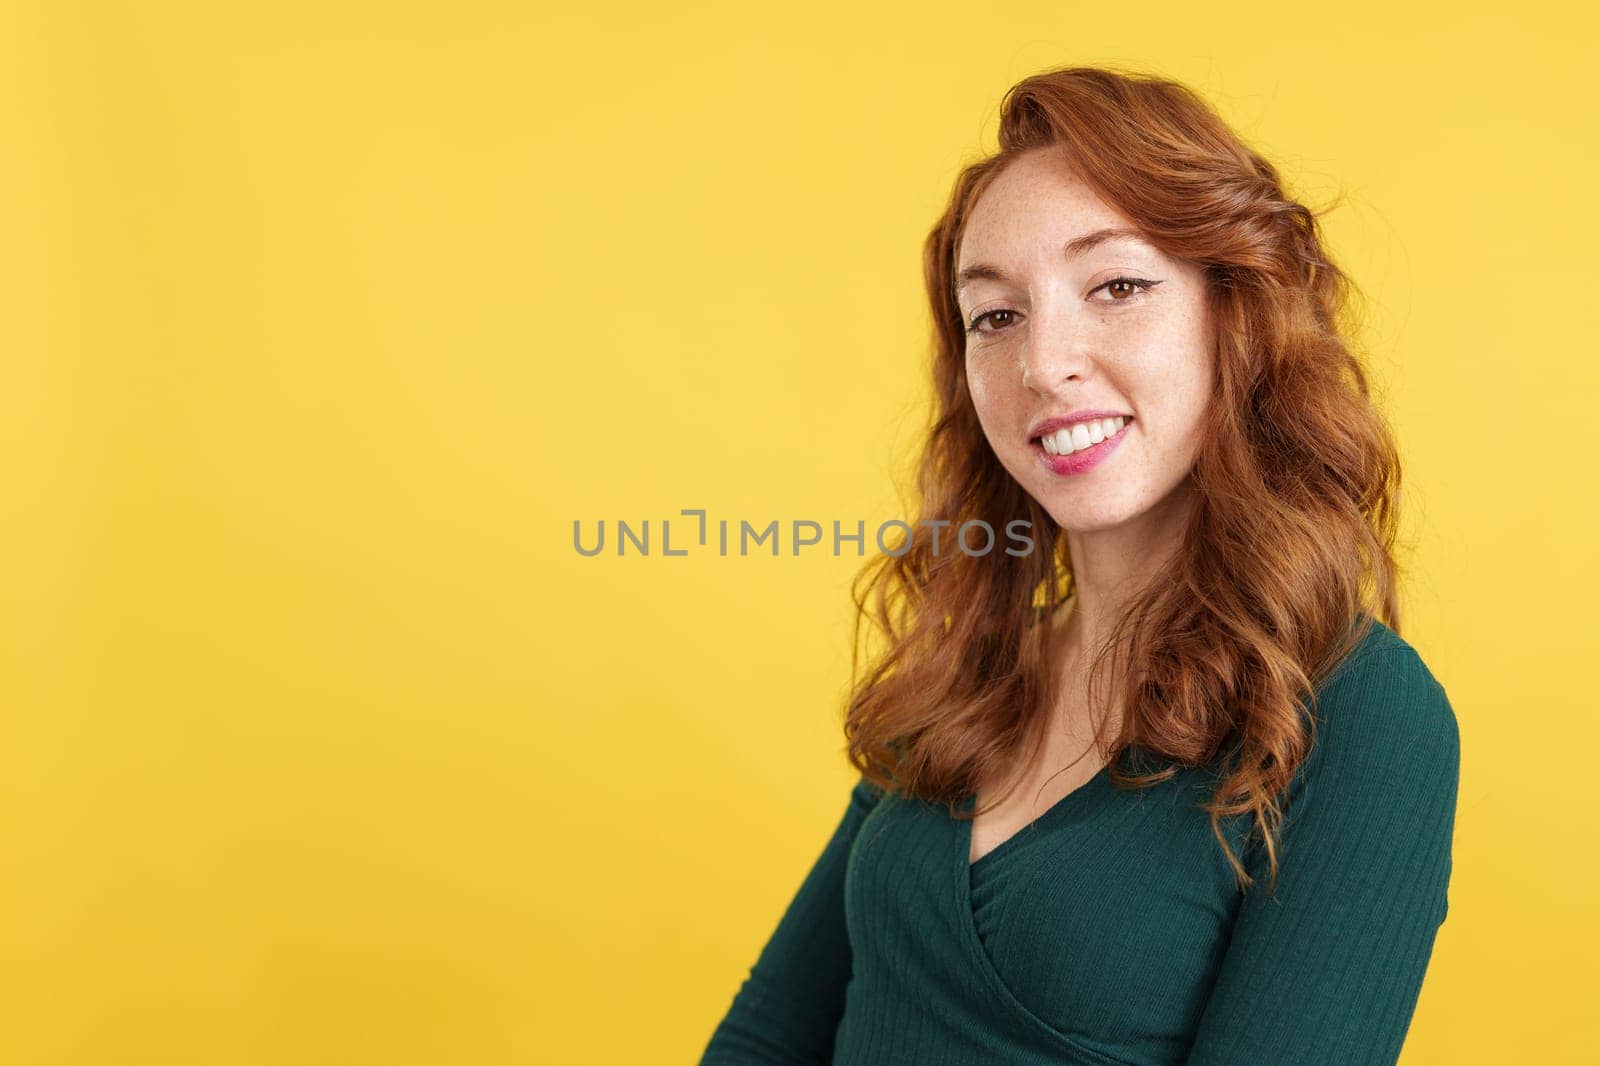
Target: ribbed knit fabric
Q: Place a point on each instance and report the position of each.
(1111, 931)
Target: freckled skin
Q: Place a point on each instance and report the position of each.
(1074, 344)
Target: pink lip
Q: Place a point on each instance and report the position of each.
(1084, 459)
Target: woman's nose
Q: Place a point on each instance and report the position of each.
(1054, 350)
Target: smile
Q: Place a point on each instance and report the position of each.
(1082, 447)
(1082, 436)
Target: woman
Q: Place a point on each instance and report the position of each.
(1164, 789)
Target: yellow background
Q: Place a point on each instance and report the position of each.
(323, 322)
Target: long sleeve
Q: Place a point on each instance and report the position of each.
(788, 1008)
(1329, 968)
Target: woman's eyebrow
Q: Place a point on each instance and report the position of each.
(1077, 246)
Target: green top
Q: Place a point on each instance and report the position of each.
(1112, 931)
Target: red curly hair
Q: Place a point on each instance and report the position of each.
(1291, 538)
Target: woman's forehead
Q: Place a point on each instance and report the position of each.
(1032, 205)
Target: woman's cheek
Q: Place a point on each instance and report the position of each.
(983, 393)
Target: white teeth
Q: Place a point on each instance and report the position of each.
(1081, 436)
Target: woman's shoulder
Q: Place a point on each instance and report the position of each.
(1381, 654)
(865, 795)
(1382, 709)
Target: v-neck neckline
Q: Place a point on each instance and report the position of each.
(961, 871)
(1048, 817)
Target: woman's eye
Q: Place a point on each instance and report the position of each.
(1121, 290)
(972, 327)
(1125, 289)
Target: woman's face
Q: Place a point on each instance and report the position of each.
(1064, 319)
